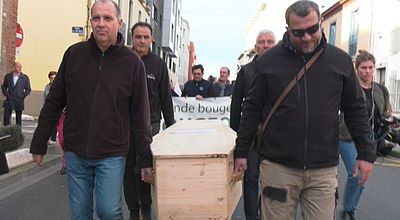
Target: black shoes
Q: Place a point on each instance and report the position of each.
(145, 215)
(134, 216)
(63, 171)
(348, 216)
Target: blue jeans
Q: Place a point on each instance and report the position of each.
(353, 191)
(104, 176)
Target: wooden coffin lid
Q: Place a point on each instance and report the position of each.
(194, 139)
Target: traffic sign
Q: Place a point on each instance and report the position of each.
(19, 36)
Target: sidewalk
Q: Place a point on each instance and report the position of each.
(20, 161)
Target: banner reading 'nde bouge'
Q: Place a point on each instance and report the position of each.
(207, 109)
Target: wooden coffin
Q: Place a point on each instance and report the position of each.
(193, 163)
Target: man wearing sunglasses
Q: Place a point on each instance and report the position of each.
(299, 147)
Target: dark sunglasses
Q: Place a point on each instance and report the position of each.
(300, 33)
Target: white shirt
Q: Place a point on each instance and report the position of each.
(15, 79)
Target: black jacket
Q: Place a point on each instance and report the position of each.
(158, 89)
(203, 88)
(227, 91)
(108, 107)
(244, 78)
(303, 131)
(15, 94)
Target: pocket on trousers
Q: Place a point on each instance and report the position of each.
(275, 194)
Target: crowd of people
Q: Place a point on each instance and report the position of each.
(106, 124)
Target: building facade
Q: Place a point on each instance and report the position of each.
(183, 53)
(171, 25)
(156, 24)
(8, 20)
(362, 24)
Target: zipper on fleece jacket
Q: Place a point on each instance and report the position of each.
(94, 98)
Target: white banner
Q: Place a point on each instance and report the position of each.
(207, 109)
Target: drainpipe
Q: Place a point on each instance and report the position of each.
(89, 3)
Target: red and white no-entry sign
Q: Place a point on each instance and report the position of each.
(19, 36)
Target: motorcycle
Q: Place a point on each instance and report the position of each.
(388, 134)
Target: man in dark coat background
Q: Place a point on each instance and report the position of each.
(137, 192)
(15, 88)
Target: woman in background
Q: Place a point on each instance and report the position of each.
(377, 100)
(53, 134)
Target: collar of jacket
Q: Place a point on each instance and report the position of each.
(219, 84)
(148, 54)
(198, 83)
(288, 44)
(119, 43)
(254, 58)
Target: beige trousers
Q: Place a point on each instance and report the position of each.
(284, 187)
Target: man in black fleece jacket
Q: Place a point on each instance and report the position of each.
(103, 85)
(137, 192)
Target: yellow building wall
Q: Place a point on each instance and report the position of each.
(47, 26)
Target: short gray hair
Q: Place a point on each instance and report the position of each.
(117, 9)
(302, 8)
(262, 32)
(229, 71)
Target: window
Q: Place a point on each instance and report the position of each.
(173, 67)
(179, 19)
(395, 41)
(380, 75)
(155, 14)
(353, 39)
(172, 32)
(154, 48)
(177, 42)
(140, 16)
(395, 96)
(164, 56)
(332, 33)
